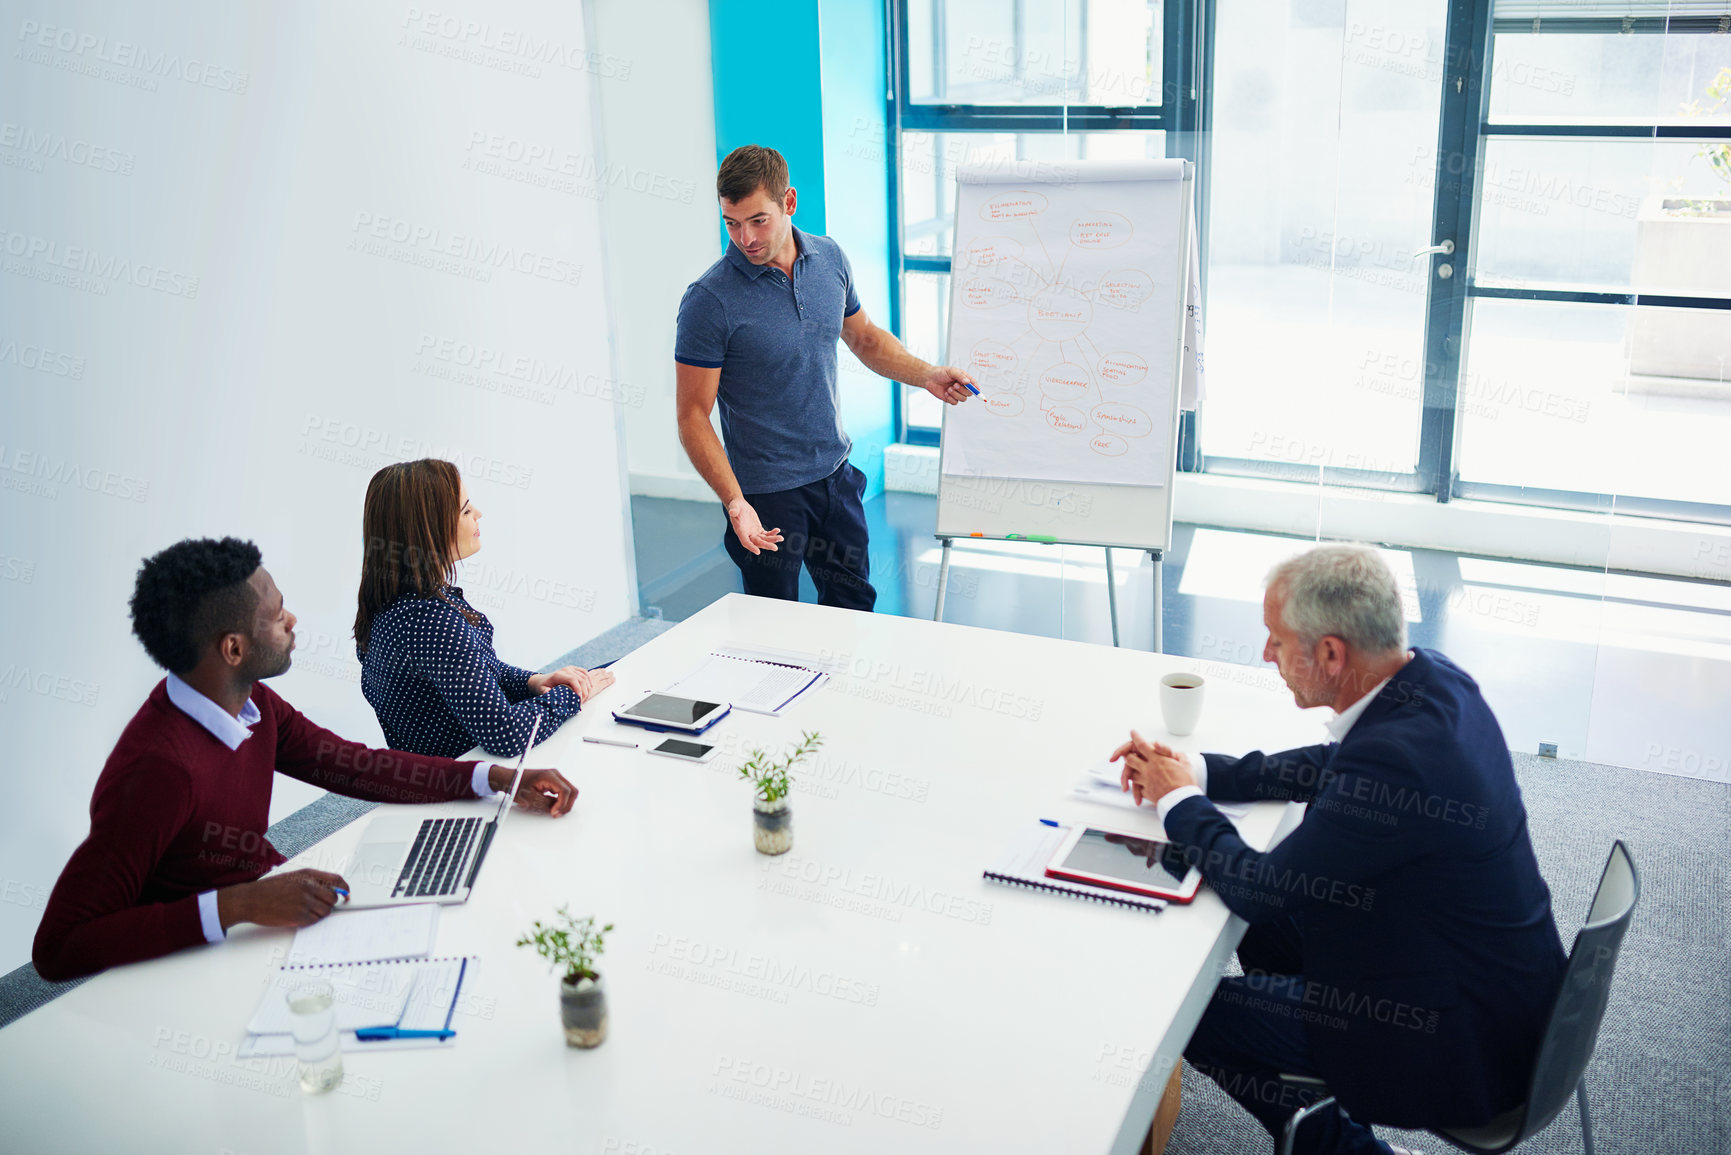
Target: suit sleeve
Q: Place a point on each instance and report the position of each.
(1334, 857)
(480, 691)
(94, 919)
(1289, 776)
(315, 755)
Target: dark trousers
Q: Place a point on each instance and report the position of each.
(1253, 1031)
(823, 527)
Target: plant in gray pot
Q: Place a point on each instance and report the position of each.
(573, 944)
(771, 816)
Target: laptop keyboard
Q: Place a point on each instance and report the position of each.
(435, 862)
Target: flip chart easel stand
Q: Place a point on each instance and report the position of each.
(1155, 555)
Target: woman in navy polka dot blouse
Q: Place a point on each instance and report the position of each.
(427, 663)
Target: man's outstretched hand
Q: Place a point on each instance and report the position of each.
(749, 529)
(947, 384)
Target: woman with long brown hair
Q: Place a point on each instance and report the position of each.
(427, 663)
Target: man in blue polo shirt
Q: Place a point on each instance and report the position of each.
(757, 332)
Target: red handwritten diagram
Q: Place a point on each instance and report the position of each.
(1065, 310)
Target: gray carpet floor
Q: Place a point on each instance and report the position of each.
(612, 645)
(1660, 1080)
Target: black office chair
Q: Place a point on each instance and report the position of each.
(1569, 1037)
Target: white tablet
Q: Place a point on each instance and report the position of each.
(1131, 862)
(666, 712)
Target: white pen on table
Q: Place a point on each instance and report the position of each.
(610, 742)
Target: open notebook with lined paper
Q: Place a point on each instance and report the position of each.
(756, 680)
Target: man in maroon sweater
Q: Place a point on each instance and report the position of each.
(177, 843)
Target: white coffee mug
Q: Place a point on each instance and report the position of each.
(1181, 702)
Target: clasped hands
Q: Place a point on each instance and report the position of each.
(1151, 770)
(587, 683)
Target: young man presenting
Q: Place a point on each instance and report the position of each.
(177, 843)
(757, 332)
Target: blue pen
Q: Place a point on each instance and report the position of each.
(340, 891)
(1049, 822)
(375, 1034)
(971, 388)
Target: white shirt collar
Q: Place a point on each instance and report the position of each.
(1347, 718)
(1344, 721)
(225, 727)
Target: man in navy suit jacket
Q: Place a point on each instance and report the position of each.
(1401, 946)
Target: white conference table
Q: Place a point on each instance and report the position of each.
(867, 992)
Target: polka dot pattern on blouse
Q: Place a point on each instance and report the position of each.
(439, 689)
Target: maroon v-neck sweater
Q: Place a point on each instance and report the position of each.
(176, 812)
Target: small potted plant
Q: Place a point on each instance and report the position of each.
(574, 944)
(772, 818)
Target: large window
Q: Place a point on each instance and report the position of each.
(1474, 250)
(1324, 139)
(1599, 365)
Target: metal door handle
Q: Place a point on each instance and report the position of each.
(1447, 247)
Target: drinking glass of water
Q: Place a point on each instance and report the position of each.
(318, 1045)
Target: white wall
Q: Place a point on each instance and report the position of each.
(247, 256)
(662, 227)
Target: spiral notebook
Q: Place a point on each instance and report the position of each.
(413, 995)
(761, 681)
(1024, 864)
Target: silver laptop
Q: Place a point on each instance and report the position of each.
(403, 858)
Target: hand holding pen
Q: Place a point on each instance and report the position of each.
(294, 898)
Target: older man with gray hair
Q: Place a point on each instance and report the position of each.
(1401, 946)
